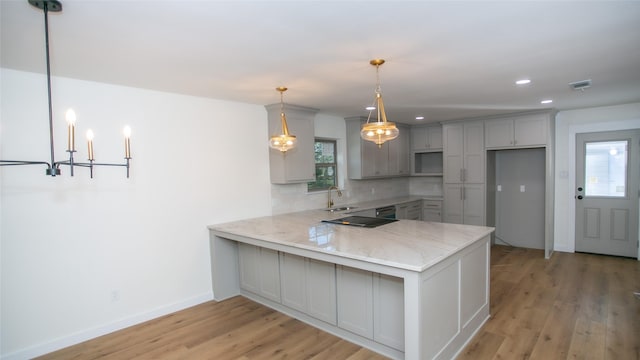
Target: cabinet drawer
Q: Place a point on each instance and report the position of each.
(432, 204)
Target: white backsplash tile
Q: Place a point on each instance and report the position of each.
(294, 197)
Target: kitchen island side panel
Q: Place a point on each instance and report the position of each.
(454, 301)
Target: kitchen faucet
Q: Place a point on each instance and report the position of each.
(329, 200)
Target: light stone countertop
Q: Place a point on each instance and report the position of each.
(404, 244)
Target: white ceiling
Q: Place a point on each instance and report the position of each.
(445, 59)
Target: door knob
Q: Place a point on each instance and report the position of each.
(579, 197)
(580, 188)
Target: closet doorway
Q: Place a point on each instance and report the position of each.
(516, 196)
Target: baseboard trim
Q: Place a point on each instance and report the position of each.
(89, 334)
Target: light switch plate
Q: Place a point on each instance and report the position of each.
(521, 188)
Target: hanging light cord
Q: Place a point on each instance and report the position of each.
(377, 102)
(46, 40)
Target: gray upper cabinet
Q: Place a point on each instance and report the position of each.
(464, 153)
(426, 138)
(298, 164)
(399, 153)
(365, 160)
(519, 131)
(464, 173)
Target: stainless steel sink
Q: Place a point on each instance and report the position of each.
(342, 208)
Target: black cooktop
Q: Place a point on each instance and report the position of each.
(362, 221)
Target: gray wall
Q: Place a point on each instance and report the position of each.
(519, 216)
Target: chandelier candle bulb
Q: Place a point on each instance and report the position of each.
(127, 142)
(90, 145)
(71, 130)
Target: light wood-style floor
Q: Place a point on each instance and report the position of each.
(574, 306)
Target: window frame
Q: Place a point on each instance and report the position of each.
(312, 185)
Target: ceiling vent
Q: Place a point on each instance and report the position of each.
(580, 85)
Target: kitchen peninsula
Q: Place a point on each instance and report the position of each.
(408, 289)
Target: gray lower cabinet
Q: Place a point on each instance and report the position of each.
(355, 300)
(259, 271)
(364, 303)
(409, 211)
(432, 210)
(388, 311)
(371, 305)
(309, 286)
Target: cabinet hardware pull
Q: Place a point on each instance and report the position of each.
(461, 195)
(461, 175)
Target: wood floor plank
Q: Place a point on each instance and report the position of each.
(483, 346)
(588, 341)
(572, 306)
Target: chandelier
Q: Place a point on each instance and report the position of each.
(53, 167)
(381, 130)
(284, 141)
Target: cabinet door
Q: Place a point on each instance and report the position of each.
(259, 271)
(434, 138)
(269, 266)
(431, 215)
(248, 256)
(321, 291)
(293, 281)
(375, 160)
(474, 153)
(355, 300)
(531, 130)
(453, 203)
(453, 153)
(474, 208)
(419, 138)
(414, 211)
(498, 133)
(401, 211)
(399, 154)
(388, 318)
(432, 210)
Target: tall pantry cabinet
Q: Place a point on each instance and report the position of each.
(464, 173)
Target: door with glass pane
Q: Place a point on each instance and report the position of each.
(607, 171)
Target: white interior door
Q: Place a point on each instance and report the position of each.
(607, 172)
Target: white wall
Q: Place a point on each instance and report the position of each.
(81, 257)
(568, 124)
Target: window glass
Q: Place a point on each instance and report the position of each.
(326, 166)
(605, 170)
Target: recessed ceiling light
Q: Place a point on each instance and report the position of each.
(523, 82)
(369, 108)
(419, 117)
(546, 101)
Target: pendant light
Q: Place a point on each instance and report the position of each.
(53, 167)
(284, 141)
(381, 130)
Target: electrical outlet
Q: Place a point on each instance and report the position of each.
(115, 296)
(499, 187)
(521, 188)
